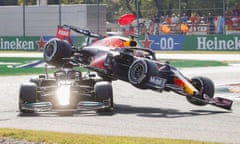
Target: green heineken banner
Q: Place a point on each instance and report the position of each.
(191, 42)
(212, 43)
(19, 43)
(154, 42)
(31, 43)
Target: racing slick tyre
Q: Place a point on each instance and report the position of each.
(27, 94)
(104, 93)
(139, 72)
(55, 50)
(205, 86)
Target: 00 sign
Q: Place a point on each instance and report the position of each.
(166, 43)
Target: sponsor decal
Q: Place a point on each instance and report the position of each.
(16, 44)
(147, 42)
(163, 42)
(31, 43)
(157, 80)
(41, 43)
(203, 43)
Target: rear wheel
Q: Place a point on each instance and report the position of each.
(55, 50)
(205, 86)
(104, 93)
(28, 94)
(137, 72)
(140, 71)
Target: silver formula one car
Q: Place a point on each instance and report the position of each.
(68, 90)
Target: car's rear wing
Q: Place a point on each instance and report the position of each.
(84, 31)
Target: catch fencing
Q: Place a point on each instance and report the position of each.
(185, 17)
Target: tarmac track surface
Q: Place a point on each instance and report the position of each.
(142, 113)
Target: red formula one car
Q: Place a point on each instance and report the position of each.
(119, 58)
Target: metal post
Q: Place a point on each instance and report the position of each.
(179, 7)
(98, 11)
(224, 17)
(137, 16)
(60, 12)
(24, 24)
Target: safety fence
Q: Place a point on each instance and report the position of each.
(189, 17)
(219, 25)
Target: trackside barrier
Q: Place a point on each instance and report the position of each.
(154, 42)
(191, 42)
(31, 43)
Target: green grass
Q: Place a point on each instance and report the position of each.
(18, 59)
(6, 70)
(70, 138)
(196, 63)
(197, 52)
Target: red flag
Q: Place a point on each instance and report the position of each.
(126, 19)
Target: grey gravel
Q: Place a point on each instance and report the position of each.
(14, 141)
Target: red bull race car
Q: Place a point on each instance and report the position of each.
(110, 58)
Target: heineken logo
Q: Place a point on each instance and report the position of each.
(22, 43)
(218, 44)
(16, 44)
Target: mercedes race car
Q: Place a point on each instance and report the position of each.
(112, 58)
(68, 90)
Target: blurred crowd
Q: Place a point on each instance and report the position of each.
(182, 24)
(156, 24)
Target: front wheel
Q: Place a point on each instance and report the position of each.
(205, 86)
(104, 94)
(28, 94)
